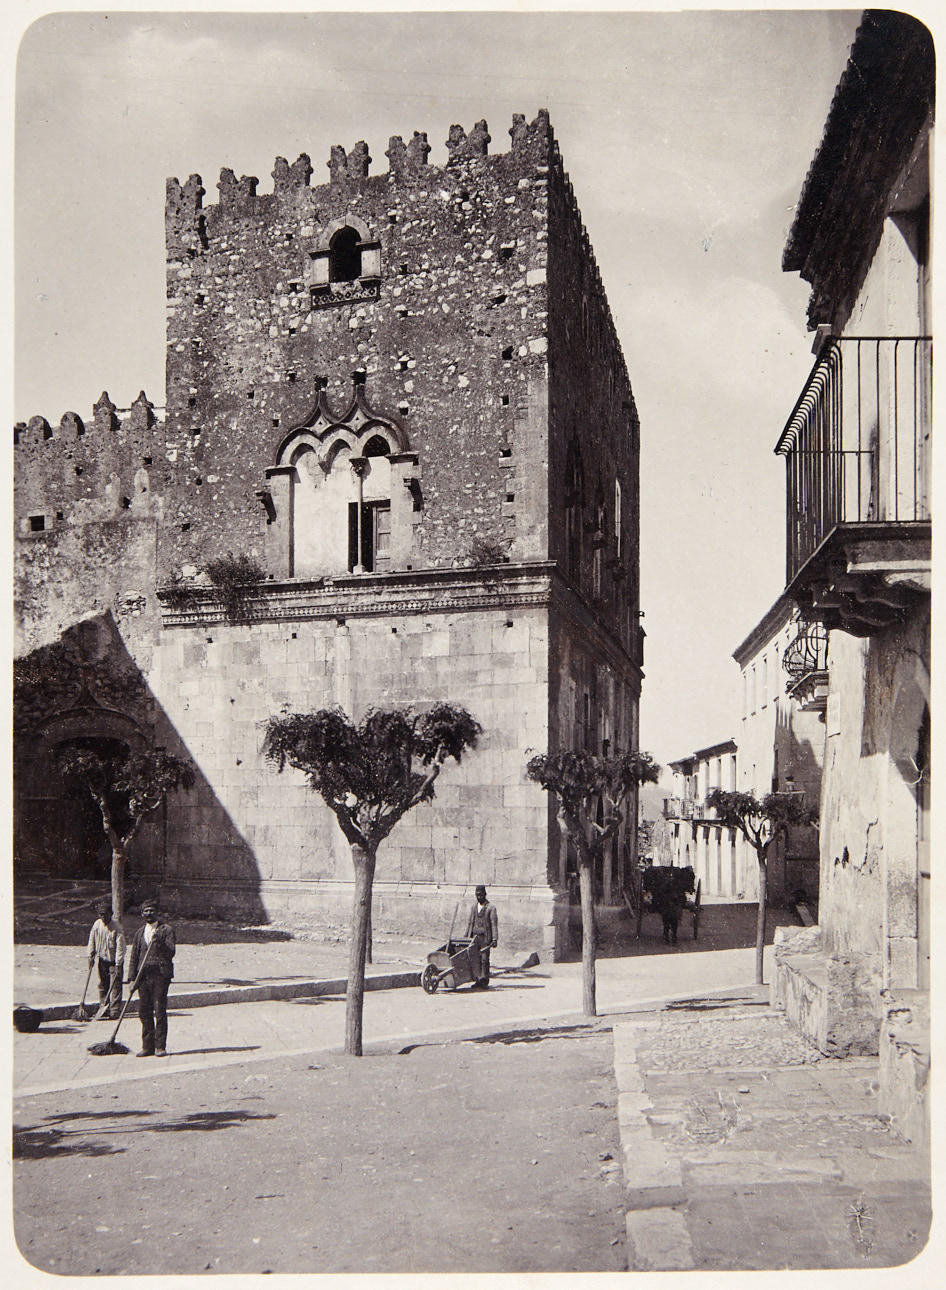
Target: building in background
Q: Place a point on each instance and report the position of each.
(781, 746)
(403, 397)
(857, 452)
(718, 856)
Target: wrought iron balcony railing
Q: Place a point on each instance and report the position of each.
(807, 653)
(857, 444)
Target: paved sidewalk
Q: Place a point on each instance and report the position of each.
(744, 1148)
(57, 1055)
(247, 966)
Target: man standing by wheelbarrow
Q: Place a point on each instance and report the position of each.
(483, 927)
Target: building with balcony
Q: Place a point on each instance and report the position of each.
(858, 521)
(719, 857)
(783, 665)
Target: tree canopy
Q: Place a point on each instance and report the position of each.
(126, 786)
(761, 820)
(369, 774)
(581, 781)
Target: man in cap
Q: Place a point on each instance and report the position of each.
(156, 939)
(483, 927)
(107, 948)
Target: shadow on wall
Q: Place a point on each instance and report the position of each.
(86, 684)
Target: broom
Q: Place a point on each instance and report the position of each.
(81, 1013)
(108, 1047)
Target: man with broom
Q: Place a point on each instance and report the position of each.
(152, 951)
(107, 950)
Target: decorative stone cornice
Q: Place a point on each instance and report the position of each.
(368, 595)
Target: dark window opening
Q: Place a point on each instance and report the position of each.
(291, 378)
(507, 354)
(344, 256)
(375, 536)
(60, 515)
(505, 452)
(504, 400)
(126, 503)
(376, 447)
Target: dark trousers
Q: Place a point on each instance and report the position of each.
(483, 974)
(110, 987)
(153, 1010)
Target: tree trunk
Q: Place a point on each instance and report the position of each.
(118, 882)
(364, 862)
(760, 921)
(589, 936)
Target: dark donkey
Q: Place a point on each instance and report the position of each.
(669, 887)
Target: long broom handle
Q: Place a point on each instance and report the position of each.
(85, 988)
(456, 909)
(134, 987)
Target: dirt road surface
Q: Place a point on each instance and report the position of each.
(495, 1155)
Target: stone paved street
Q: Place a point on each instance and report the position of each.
(745, 1148)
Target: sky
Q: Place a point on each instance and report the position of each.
(687, 136)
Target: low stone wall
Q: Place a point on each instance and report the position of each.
(905, 1063)
(833, 1001)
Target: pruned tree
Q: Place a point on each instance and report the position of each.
(126, 787)
(761, 821)
(369, 775)
(581, 782)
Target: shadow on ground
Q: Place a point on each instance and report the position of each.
(721, 927)
(38, 1142)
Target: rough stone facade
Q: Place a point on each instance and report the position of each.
(859, 559)
(403, 396)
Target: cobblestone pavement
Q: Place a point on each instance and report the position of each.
(746, 1149)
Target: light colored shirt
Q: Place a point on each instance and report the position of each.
(107, 942)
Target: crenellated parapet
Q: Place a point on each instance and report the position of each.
(237, 195)
(531, 142)
(183, 205)
(462, 146)
(407, 160)
(88, 469)
(288, 180)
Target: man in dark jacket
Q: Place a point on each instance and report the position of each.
(156, 940)
(483, 926)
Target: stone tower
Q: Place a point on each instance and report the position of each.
(402, 396)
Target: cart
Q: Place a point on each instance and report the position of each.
(455, 963)
(640, 901)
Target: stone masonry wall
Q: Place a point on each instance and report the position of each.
(868, 853)
(591, 409)
(451, 336)
(218, 686)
